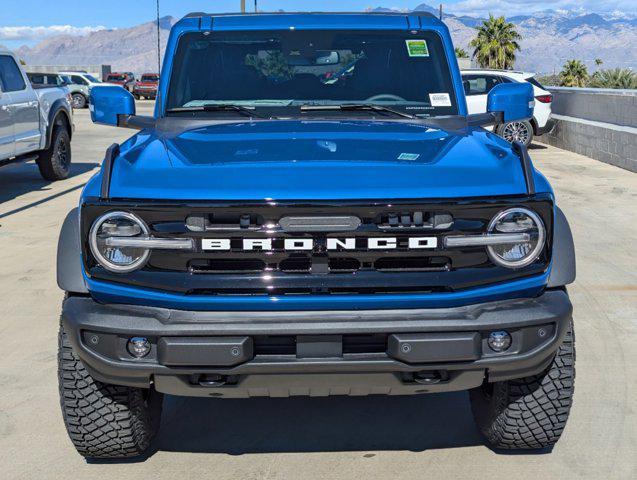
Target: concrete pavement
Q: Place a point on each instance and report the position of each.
(411, 437)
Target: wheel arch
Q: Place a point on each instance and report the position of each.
(534, 124)
(69, 255)
(563, 269)
(58, 115)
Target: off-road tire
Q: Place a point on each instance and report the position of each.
(102, 420)
(79, 101)
(55, 162)
(528, 413)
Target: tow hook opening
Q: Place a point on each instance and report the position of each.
(427, 377)
(211, 380)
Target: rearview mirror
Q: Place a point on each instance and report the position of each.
(514, 100)
(108, 102)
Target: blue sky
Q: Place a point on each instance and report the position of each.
(29, 21)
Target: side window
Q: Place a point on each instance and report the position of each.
(10, 75)
(37, 79)
(78, 80)
(479, 84)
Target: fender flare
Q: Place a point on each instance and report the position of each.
(69, 255)
(563, 268)
(58, 108)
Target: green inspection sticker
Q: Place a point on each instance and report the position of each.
(417, 48)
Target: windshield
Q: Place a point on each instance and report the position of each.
(92, 79)
(116, 77)
(150, 78)
(283, 70)
(533, 81)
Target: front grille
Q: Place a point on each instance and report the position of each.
(319, 271)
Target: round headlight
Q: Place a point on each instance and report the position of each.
(517, 221)
(114, 258)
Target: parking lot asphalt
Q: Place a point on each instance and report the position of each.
(305, 438)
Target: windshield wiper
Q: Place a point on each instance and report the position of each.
(355, 107)
(218, 107)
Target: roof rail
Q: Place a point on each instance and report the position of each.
(402, 14)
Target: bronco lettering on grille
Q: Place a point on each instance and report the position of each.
(308, 244)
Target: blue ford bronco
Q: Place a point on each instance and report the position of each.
(311, 211)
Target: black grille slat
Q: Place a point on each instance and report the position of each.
(228, 265)
(412, 264)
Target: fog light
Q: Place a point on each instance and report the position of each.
(499, 341)
(138, 347)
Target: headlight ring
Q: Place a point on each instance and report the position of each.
(517, 220)
(118, 259)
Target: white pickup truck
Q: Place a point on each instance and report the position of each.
(36, 123)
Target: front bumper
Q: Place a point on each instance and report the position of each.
(547, 128)
(354, 352)
(151, 92)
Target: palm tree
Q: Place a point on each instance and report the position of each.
(461, 53)
(598, 61)
(496, 43)
(574, 74)
(614, 78)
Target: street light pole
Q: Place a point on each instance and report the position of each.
(243, 6)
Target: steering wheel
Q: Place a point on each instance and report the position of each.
(385, 96)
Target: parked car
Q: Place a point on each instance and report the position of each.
(321, 216)
(124, 79)
(478, 84)
(79, 93)
(146, 87)
(36, 121)
(84, 80)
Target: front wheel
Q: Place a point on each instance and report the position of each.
(55, 162)
(528, 413)
(516, 132)
(102, 420)
(78, 101)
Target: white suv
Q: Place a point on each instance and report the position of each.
(478, 83)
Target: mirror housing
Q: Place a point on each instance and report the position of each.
(514, 101)
(108, 102)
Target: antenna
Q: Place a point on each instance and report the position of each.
(158, 42)
(440, 10)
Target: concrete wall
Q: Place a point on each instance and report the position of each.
(598, 123)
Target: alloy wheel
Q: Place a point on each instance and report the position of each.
(516, 132)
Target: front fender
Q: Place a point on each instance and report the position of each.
(563, 268)
(69, 256)
(58, 112)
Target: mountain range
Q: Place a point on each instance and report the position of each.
(549, 38)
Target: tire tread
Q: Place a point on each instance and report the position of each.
(531, 412)
(102, 420)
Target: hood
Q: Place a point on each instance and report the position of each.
(315, 160)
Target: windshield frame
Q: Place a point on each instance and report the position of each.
(448, 69)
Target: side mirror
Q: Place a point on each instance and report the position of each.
(514, 100)
(107, 103)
